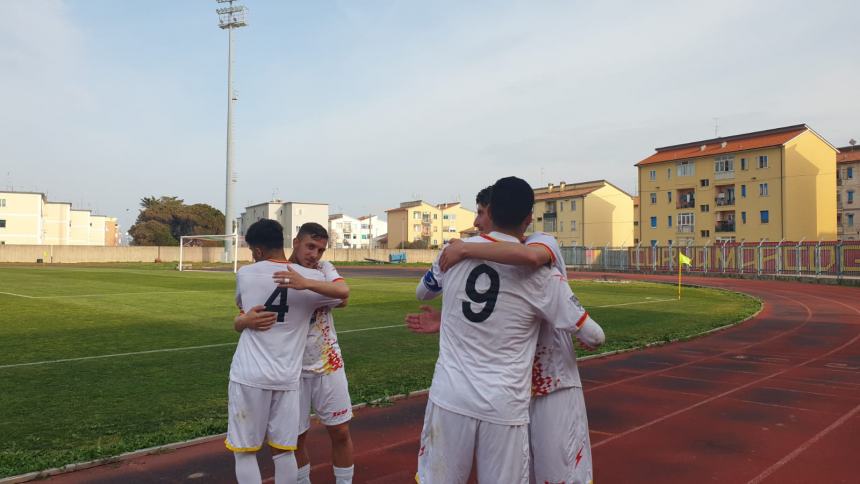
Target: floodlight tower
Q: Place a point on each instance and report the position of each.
(229, 18)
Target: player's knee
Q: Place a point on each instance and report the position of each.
(339, 434)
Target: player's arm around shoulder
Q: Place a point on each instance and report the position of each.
(257, 318)
(562, 308)
(293, 279)
(511, 253)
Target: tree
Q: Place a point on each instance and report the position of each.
(162, 221)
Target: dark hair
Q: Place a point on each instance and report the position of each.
(483, 197)
(265, 233)
(511, 201)
(315, 230)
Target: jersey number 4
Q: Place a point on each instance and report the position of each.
(488, 297)
(281, 307)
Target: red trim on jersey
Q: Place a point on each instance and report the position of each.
(339, 279)
(551, 253)
(489, 238)
(278, 261)
(582, 320)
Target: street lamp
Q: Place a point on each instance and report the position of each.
(229, 18)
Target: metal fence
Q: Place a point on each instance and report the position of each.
(832, 258)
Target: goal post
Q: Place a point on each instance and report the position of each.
(206, 252)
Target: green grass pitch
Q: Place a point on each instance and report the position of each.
(136, 395)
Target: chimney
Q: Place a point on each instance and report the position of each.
(561, 186)
(702, 148)
(549, 187)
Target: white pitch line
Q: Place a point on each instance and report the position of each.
(632, 303)
(17, 295)
(115, 294)
(165, 350)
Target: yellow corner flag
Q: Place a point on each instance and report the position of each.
(682, 259)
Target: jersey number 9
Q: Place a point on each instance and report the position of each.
(488, 297)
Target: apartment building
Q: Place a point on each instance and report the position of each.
(28, 218)
(432, 224)
(594, 213)
(766, 185)
(848, 189)
(291, 215)
(357, 233)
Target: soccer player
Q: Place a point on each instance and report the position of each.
(324, 386)
(263, 400)
(479, 397)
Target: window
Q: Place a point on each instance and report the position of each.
(850, 196)
(706, 233)
(549, 224)
(705, 208)
(724, 164)
(743, 217)
(561, 225)
(573, 225)
(765, 216)
(416, 228)
(561, 206)
(653, 198)
(669, 173)
(743, 191)
(2, 202)
(686, 220)
(416, 215)
(849, 174)
(705, 182)
(669, 221)
(849, 217)
(573, 205)
(435, 242)
(653, 222)
(2, 224)
(762, 189)
(669, 196)
(652, 175)
(762, 161)
(743, 163)
(435, 216)
(685, 168)
(653, 243)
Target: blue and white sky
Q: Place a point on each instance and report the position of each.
(363, 104)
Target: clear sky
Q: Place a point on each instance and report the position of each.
(363, 104)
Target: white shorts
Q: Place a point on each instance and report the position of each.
(561, 449)
(255, 413)
(328, 395)
(450, 440)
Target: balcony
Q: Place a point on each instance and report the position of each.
(724, 175)
(686, 199)
(724, 226)
(686, 229)
(727, 201)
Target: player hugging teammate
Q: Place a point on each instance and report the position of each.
(287, 358)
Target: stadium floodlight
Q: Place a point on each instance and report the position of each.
(229, 18)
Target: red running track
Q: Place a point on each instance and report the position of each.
(775, 399)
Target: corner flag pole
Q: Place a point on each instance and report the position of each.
(682, 259)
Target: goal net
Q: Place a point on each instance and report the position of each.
(209, 252)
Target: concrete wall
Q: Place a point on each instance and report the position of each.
(64, 254)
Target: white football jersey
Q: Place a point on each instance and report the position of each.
(555, 358)
(272, 359)
(322, 352)
(490, 319)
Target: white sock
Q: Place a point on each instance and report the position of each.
(305, 474)
(286, 469)
(247, 469)
(343, 475)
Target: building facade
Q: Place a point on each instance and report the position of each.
(28, 218)
(291, 215)
(848, 189)
(763, 186)
(432, 225)
(591, 214)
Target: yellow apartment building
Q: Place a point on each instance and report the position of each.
(28, 218)
(848, 191)
(592, 214)
(767, 185)
(434, 224)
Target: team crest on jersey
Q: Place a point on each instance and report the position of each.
(575, 300)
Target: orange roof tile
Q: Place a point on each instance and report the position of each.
(567, 193)
(741, 142)
(848, 154)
